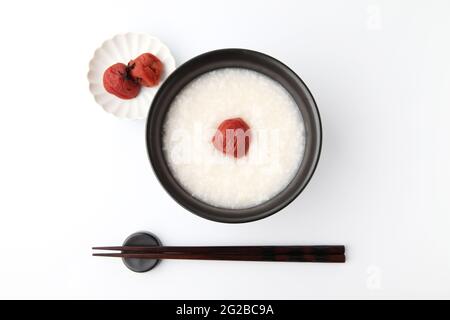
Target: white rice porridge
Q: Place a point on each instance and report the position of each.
(276, 147)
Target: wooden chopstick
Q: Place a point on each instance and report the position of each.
(241, 253)
(331, 258)
(266, 250)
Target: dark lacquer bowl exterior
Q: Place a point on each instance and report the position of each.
(239, 58)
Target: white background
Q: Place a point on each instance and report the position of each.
(73, 176)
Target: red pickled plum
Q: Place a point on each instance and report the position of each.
(117, 81)
(146, 69)
(232, 137)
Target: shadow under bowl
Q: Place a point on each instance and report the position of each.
(234, 58)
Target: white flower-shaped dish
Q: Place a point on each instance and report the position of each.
(123, 48)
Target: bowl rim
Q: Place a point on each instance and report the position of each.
(156, 154)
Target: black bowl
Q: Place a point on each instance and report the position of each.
(238, 58)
